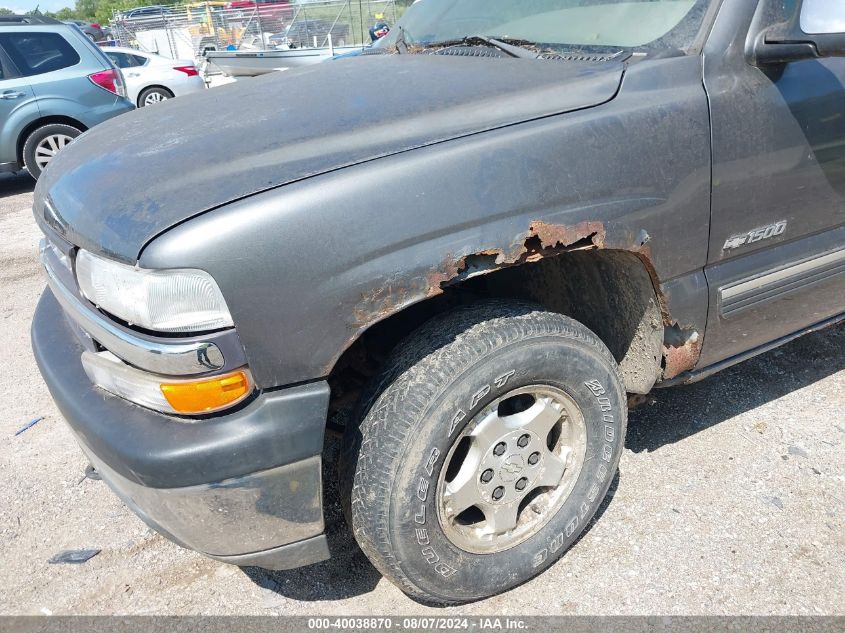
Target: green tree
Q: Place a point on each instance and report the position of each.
(64, 14)
(106, 8)
(5, 11)
(86, 9)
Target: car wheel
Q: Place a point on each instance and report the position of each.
(483, 450)
(44, 143)
(154, 95)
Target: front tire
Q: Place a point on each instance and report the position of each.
(483, 450)
(42, 145)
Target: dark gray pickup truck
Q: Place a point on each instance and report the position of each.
(467, 248)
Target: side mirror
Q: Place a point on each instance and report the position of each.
(815, 29)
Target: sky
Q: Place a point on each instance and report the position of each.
(22, 6)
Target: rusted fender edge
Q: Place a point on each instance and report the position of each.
(681, 348)
(681, 343)
(540, 241)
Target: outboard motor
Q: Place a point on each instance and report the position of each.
(379, 30)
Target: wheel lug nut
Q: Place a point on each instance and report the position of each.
(533, 458)
(487, 475)
(523, 441)
(500, 449)
(521, 483)
(498, 493)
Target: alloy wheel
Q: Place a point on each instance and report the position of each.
(155, 97)
(49, 147)
(511, 469)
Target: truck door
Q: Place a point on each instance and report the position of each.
(776, 260)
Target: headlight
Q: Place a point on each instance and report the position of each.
(178, 300)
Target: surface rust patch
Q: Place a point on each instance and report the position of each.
(681, 350)
(678, 358)
(381, 302)
(560, 236)
(682, 347)
(540, 241)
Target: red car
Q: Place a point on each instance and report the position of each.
(269, 9)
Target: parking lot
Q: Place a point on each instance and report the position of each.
(730, 500)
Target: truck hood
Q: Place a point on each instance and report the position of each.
(129, 179)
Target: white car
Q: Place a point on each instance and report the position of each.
(151, 78)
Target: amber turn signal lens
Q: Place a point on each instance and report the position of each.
(208, 395)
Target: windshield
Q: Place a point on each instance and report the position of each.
(571, 24)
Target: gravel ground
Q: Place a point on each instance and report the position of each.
(730, 500)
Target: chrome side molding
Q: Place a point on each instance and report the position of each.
(748, 293)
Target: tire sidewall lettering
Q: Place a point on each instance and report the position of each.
(600, 481)
(425, 480)
(421, 528)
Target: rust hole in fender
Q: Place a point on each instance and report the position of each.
(681, 350)
(681, 347)
(540, 241)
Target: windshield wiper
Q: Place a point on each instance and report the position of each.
(511, 49)
(469, 40)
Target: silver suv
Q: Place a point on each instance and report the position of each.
(54, 84)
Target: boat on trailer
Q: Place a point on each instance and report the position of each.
(252, 63)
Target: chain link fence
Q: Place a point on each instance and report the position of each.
(189, 30)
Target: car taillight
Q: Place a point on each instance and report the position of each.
(110, 80)
(191, 71)
(95, 26)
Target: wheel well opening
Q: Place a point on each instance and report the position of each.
(48, 120)
(156, 87)
(609, 291)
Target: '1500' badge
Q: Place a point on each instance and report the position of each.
(757, 235)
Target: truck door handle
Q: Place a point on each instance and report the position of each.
(11, 95)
